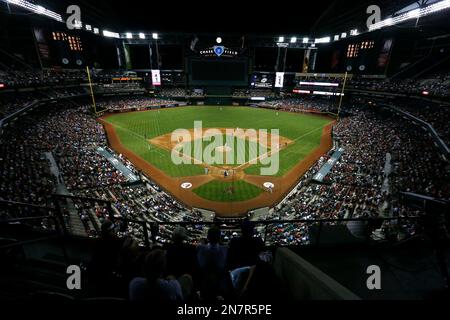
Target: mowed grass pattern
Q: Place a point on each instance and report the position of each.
(228, 191)
(136, 128)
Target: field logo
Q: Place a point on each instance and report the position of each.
(239, 147)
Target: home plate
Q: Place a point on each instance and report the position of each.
(186, 185)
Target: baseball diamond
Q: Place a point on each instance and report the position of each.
(230, 190)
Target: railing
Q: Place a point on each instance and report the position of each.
(263, 227)
(57, 233)
(273, 232)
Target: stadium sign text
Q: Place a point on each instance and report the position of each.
(227, 146)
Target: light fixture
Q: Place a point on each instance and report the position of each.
(281, 39)
(305, 40)
(293, 39)
(88, 27)
(77, 24)
(323, 40)
(110, 34)
(219, 40)
(96, 31)
(36, 9)
(413, 14)
(155, 36)
(141, 35)
(344, 35)
(40, 9)
(129, 35)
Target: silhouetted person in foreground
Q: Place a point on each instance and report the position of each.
(105, 260)
(243, 251)
(211, 258)
(181, 256)
(156, 286)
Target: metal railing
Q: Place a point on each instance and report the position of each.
(153, 232)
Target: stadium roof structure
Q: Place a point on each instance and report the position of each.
(325, 21)
(229, 16)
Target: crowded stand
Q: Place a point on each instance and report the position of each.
(435, 114)
(144, 202)
(437, 85)
(267, 93)
(354, 187)
(298, 104)
(72, 136)
(38, 78)
(172, 92)
(136, 102)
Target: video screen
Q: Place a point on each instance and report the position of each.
(219, 72)
(262, 80)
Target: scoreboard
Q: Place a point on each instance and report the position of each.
(262, 80)
(218, 72)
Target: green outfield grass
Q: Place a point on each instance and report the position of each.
(227, 191)
(136, 128)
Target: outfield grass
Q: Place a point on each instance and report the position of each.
(222, 191)
(135, 129)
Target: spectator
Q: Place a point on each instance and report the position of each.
(244, 250)
(211, 259)
(155, 286)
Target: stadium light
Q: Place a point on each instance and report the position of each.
(413, 14)
(128, 35)
(78, 24)
(336, 37)
(343, 35)
(88, 27)
(281, 39)
(219, 40)
(96, 31)
(141, 35)
(155, 36)
(36, 9)
(110, 34)
(305, 40)
(354, 32)
(293, 39)
(323, 40)
(40, 9)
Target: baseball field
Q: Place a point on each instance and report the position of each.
(235, 182)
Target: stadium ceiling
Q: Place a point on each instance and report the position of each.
(321, 21)
(230, 16)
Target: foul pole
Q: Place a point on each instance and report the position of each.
(92, 90)
(342, 95)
